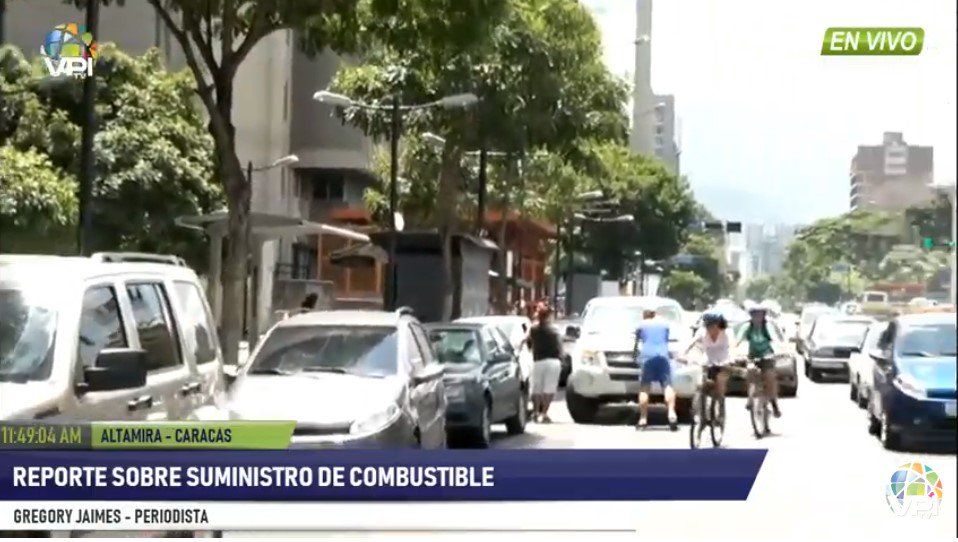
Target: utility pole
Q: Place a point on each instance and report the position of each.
(3, 12)
(87, 159)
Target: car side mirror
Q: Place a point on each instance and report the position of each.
(879, 355)
(573, 332)
(500, 357)
(116, 369)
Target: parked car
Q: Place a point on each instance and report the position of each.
(604, 368)
(483, 381)
(860, 365)
(350, 378)
(112, 337)
(830, 344)
(569, 330)
(515, 328)
(806, 321)
(785, 368)
(913, 395)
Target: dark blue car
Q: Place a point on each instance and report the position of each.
(914, 380)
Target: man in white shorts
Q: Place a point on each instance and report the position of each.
(546, 351)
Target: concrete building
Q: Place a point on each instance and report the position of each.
(766, 246)
(643, 99)
(665, 136)
(892, 176)
(274, 115)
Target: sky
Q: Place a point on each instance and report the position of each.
(769, 124)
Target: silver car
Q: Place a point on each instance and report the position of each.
(358, 379)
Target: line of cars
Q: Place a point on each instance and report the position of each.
(900, 371)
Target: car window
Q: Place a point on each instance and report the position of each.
(362, 350)
(28, 321)
(197, 321)
(840, 332)
(456, 345)
(871, 338)
(502, 340)
(488, 340)
(101, 325)
(425, 348)
(928, 340)
(158, 336)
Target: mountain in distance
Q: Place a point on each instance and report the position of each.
(740, 205)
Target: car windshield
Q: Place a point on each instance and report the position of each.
(875, 298)
(932, 340)
(456, 345)
(810, 315)
(28, 320)
(840, 332)
(364, 351)
(628, 317)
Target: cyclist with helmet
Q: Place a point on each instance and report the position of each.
(761, 350)
(712, 339)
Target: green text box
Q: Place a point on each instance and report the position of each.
(873, 41)
(236, 435)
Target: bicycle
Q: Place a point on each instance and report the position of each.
(761, 409)
(708, 410)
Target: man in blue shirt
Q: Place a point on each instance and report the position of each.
(652, 349)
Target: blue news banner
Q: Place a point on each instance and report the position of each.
(380, 475)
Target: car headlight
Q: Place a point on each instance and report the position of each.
(374, 423)
(592, 357)
(455, 392)
(909, 386)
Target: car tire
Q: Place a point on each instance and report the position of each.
(862, 399)
(582, 409)
(483, 436)
(814, 375)
(516, 425)
(683, 409)
(853, 392)
(890, 439)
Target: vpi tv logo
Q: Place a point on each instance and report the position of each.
(69, 50)
(914, 490)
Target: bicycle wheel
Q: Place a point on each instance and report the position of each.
(759, 416)
(717, 415)
(699, 421)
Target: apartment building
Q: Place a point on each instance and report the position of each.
(892, 176)
(274, 115)
(766, 246)
(665, 137)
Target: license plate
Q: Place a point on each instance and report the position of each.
(951, 409)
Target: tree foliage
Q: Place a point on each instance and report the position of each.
(153, 154)
(686, 287)
(37, 203)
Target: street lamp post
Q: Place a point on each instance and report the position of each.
(395, 109)
(251, 304)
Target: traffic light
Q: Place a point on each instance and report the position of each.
(727, 227)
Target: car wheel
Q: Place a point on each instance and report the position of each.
(889, 437)
(853, 392)
(814, 375)
(516, 425)
(582, 409)
(484, 431)
(862, 398)
(808, 369)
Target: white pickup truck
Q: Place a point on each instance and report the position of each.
(604, 369)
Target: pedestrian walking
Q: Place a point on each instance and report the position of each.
(546, 353)
(652, 355)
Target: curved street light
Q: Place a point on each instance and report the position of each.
(395, 109)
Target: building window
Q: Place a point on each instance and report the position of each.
(328, 187)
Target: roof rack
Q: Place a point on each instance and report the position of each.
(405, 311)
(137, 257)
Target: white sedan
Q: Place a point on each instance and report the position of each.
(860, 365)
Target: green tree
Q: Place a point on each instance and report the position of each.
(153, 153)
(37, 203)
(759, 287)
(661, 204)
(687, 288)
(541, 82)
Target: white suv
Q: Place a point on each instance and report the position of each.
(604, 369)
(112, 337)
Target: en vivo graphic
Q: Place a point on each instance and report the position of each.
(69, 50)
